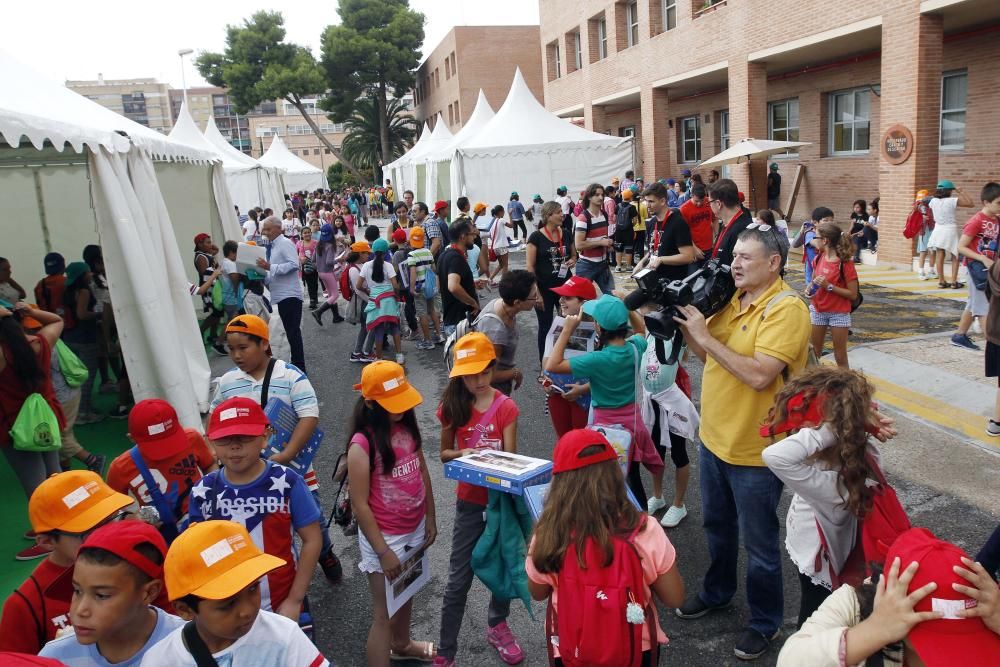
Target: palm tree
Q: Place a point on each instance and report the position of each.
(362, 145)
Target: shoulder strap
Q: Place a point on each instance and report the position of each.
(778, 297)
(196, 646)
(267, 382)
(39, 622)
(498, 398)
(167, 516)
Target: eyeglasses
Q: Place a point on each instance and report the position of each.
(759, 225)
(714, 201)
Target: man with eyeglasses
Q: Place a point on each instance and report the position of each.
(724, 200)
(749, 348)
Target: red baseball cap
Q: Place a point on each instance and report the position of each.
(440, 204)
(237, 416)
(153, 425)
(199, 238)
(582, 288)
(122, 537)
(399, 236)
(948, 640)
(566, 455)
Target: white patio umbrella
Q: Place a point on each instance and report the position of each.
(751, 149)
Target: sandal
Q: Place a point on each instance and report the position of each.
(958, 285)
(426, 652)
(943, 285)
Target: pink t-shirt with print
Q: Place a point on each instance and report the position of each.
(397, 497)
(657, 556)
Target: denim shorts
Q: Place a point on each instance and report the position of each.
(829, 319)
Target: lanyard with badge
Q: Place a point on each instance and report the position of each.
(559, 254)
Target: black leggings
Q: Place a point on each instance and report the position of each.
(812, 597)
(678, 444)
(550, 305)
(639, 243)
(312, 285)
(519, 224)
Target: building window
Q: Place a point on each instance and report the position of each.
(454, 65)
(555, 61)
(954, 87)
(669, 9)
(602, 38)
(690, 139)
(451, 115)
(326, 151)
(626, 131)
(632, 23)
(850, 121)
(315, 151)
(783, 122)
(458, 116)
(578, 50)
(447, 68)
(723, 130)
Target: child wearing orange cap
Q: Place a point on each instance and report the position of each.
(117, 576)
(62, 510)
(270, 500)
(589, 516)
(473, 416)
(392, 500)
(214, 574)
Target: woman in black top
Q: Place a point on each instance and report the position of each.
(549, 256)
(859, 216)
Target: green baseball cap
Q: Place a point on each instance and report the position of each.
(609, 312)
(774, 166)
(945, 185)
(75, 270)
(514, 194)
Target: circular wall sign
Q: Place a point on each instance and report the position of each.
(897, 144)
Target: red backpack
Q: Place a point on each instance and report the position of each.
(920, 219)
(601, 609)
(345, 283)
(883, 523)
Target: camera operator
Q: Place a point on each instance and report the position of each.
(724, 200)
(670, 249)
(746, 347)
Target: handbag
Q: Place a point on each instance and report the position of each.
(36, 428)
(978, 273)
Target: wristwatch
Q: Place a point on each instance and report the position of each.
(829, 287)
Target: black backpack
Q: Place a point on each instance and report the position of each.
(623, 216)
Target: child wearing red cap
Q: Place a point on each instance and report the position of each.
(933, 607)
(568, 396)
(586, 511)
(473, 416)
(117, 576)
(827, 464)
(174, 458)
(270, 500)
(392, 500)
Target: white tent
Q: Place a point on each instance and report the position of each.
(527, 148)
(402, 177)
(249, 184)
(272, 177)
(105, 188)
(299, 175)
(439, 160)
(418, 166)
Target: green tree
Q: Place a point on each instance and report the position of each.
(259, 66)
(377, 47)
(362, 144)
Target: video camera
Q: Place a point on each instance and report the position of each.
(708, 289)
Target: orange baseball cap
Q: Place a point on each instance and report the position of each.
(385, 383)
(480, 207)
(627, 194)
(360, 246)
(248, 324)
(214, 560)
(922, 194)
(73, 502)
(417, 237)
(473, 353)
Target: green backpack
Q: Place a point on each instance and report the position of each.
(217, 295)
(73, 370)
(36, 428)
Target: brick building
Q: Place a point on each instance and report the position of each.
(470, 58)
(687, 77)
(146, 101)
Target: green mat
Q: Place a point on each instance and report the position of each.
(107, 437)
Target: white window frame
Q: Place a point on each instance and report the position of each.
(832, 124)
(558, 60)
(602, 38)
(685, 141)
(578, 47)
(669, 9)
(954, 111)
(632, 23)
(787, 103)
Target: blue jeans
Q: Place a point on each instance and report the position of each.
(742, 499)
(599, 272)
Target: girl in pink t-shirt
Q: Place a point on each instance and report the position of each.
(587, 507)
(392, 501)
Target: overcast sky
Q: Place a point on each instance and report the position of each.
(130, 39)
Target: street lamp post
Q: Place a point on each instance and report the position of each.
(182, 53)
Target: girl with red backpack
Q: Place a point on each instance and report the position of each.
(827, 462)
(599, 561)
(833, 290)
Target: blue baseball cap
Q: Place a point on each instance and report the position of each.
(54, 264)
(608, 311)
(326, 232)
(380, 245)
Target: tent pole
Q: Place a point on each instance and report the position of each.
(40, 201)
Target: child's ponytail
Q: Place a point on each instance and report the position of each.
(378, 268)
(838, 239)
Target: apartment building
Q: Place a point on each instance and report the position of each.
(470, 58)
(286, 122)
(892, 95)
(146, 101)
(206, 102)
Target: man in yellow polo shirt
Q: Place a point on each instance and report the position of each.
(748, 354)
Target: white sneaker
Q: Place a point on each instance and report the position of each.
(654, 504)
(932, 274)
(673, 516)
(976, 329)
(921, 274)
(400, 359)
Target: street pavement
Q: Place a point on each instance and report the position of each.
(945, 484)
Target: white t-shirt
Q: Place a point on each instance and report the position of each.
(250, 229)
(290, 228)
(566, 204)
(366, 272)
(944, 211)
(498, 234)
(273, 641)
